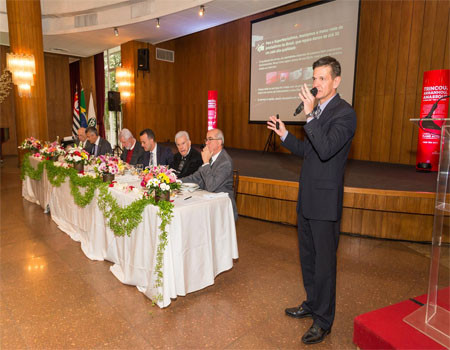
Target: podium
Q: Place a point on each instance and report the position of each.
(431, 319)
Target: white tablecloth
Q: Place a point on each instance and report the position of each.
(201, 240)
(37, 191)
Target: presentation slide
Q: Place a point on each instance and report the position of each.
(284, 49)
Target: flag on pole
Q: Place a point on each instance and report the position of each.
(92, 120)
(83, 120)
(76, 115)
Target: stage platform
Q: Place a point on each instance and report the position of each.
(381, 200)
(385, 328)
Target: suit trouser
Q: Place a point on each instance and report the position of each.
(318, 242)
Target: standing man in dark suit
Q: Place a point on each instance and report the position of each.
(132, 153)
(98, 145)
(155, 154)
(216, 173)
(187, 160)
(329, 132)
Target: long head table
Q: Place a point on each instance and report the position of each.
(201, 237)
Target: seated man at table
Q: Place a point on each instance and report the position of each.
(98, 145)
(216, 173)
(132, 153)
(82, 140)
(188, 159)
(154, 154)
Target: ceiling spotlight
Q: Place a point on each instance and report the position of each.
(157, 23)
(116, 31)
(201, 12)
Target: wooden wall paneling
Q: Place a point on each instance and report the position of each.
(440, 35)
(370, 80)
(360, 95)
(412, 98)
(387, 34)
(57, 78)
(87, 76)
(389, 92)
(128, 58)
(7, 112)
(406, 131)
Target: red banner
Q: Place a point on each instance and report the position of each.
(436, 84)
(212, 109)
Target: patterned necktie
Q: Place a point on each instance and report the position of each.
(316, 112)
(181, 165)
(151, 159)
(94, 150)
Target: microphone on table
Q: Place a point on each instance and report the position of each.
(301, 106)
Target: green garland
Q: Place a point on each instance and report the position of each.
(120, 220)
(28, 170)
(89, 183)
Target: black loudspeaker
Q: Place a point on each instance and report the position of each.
(114, 101)
(143, 60)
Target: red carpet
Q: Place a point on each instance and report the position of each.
(385, 329)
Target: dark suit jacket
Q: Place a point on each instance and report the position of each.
(137, 156)
(191, 164)
(324, 151)
(163, 154)
(217, 177)
(104, 147)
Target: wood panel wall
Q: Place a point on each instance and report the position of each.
(398, 41)
(59, 110)
(153, 103)
(388, 214)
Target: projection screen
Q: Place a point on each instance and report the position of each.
(284, 47)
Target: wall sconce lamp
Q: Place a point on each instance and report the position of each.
(123, 79)
(201, 12)
(157, 23)
(22, 68)
(116, 31)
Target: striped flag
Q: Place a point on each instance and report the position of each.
(76, 115)
(83, 119)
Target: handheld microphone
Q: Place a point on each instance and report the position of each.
(301, 106)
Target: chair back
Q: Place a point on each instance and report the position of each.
(235, 182)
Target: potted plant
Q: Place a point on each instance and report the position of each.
(107, 166)
(78, 157)
(52, 151)
(31, 144)
(159, 181)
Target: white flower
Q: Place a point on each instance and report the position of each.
(165, 187)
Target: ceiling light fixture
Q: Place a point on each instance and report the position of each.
(116, 31)
(201, 12)
(157, 23)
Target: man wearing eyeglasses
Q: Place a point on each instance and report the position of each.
(216, 173)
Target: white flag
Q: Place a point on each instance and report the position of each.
(92, 119)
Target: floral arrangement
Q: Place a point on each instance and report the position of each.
(31, 144)
(159, 179)
(106, 165)
(77, 155)
(52, 150)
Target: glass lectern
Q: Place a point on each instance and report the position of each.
(431, 319)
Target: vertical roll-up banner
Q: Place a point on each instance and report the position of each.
(436, 84)
(212, 109)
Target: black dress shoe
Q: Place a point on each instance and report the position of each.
(298, 312)
(315, 335)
